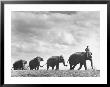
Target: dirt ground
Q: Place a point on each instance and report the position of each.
(55, 73)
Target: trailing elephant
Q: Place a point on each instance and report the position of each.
(54, 61)
(35, 63)
(19, 65)
(80, 58)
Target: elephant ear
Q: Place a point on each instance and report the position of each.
(61, 56)
(38, 59)
(24, 62)
(58, 58)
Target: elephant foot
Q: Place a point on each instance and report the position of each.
(71, 69)
(66, 65)
(85, 68)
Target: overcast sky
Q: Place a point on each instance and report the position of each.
(51, 33)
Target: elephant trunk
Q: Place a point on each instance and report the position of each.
(68, 61)
(91, 63)
(40, 65)
(64, 63)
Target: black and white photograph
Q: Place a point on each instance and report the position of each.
(55, 43)
(64, 42)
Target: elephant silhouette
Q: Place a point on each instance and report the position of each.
(80, 58)
(35, 63)
(19, 65)
(54, 61)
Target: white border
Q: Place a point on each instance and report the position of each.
(55, 80)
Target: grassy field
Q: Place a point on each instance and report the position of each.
(55, 73)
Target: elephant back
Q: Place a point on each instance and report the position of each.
(19, 62)
(76, 56)
(53, 59)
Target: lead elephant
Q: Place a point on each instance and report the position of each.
(19, 65)
(80, 58)
(54, 61)
(35, 63)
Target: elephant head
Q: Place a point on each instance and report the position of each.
(89, 55)
(24, 62)
(39, 58)
(61, 60)
(89, 58)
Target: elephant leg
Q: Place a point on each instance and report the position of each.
(91, 63)
(80, 66)
(37, 67)
(71, 67)
(57, 67)
(85, 66)
(15, 68)
(52, 67)
(74, 66)
(47, 67)
(31, 68)
(22, 68)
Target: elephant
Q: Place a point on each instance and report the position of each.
(35, 63)
(54, 61)
(80, 58)
(19, 65)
